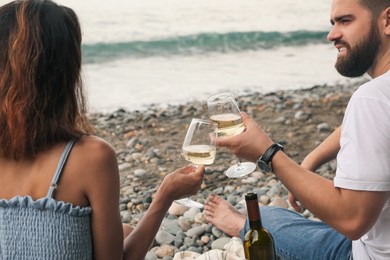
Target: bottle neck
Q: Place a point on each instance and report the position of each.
(254, 213)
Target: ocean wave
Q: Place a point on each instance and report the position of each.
(200, 44)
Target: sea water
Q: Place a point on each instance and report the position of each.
(142, 52)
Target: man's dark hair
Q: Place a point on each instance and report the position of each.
(375, 6)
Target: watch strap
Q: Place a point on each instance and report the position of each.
(270, 152)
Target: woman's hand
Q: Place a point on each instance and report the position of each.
(183, 182)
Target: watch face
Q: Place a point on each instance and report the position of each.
(263, 165)
(264, 161)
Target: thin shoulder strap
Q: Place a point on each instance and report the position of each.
(60, 166)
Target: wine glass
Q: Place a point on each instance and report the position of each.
(199, 148)
(223, 110)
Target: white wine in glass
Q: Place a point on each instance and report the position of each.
(224, 111)
(199, 148)
(199, 154)
(229, 124)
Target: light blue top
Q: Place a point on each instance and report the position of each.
(45, 228)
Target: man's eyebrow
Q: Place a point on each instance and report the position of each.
(341, 17)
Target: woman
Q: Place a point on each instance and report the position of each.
(59, 184)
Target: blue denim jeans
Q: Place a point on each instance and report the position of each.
(299, 238)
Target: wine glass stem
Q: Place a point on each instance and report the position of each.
(239, 162)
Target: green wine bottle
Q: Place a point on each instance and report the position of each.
(258, 242)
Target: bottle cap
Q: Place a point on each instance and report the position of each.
(251, 196)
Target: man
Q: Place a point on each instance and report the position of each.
(355, 207)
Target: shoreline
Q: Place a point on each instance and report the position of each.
(109, 103)
(148, 145)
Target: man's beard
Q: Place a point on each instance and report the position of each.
(358, 60)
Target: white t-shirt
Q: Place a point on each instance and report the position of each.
(363, 162)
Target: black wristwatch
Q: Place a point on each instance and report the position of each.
(265, 160)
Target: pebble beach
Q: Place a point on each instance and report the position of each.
(148, 146)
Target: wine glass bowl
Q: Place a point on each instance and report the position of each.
(223, 110)
(199, 143)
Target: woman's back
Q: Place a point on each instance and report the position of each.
(83, 209)
(33, 226)
(33, 177)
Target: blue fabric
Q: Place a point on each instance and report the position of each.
(44, 228)
(44, 204)
(299, 238)
(60, 166)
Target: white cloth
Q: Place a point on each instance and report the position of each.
(363, 162)
(234, 250)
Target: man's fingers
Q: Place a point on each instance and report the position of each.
(244, 115)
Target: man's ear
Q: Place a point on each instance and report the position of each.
(386, 16)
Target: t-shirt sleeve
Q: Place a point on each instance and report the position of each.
(363, 162)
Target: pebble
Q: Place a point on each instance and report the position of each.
(220, 243)
(177, 209)
(323, 127)
(196, 231)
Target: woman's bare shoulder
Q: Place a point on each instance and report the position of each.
(91, 168)
(92, 141)
(93, 163)
(93, 155)
(93, 147)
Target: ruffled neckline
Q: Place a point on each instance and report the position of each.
(45, 204)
